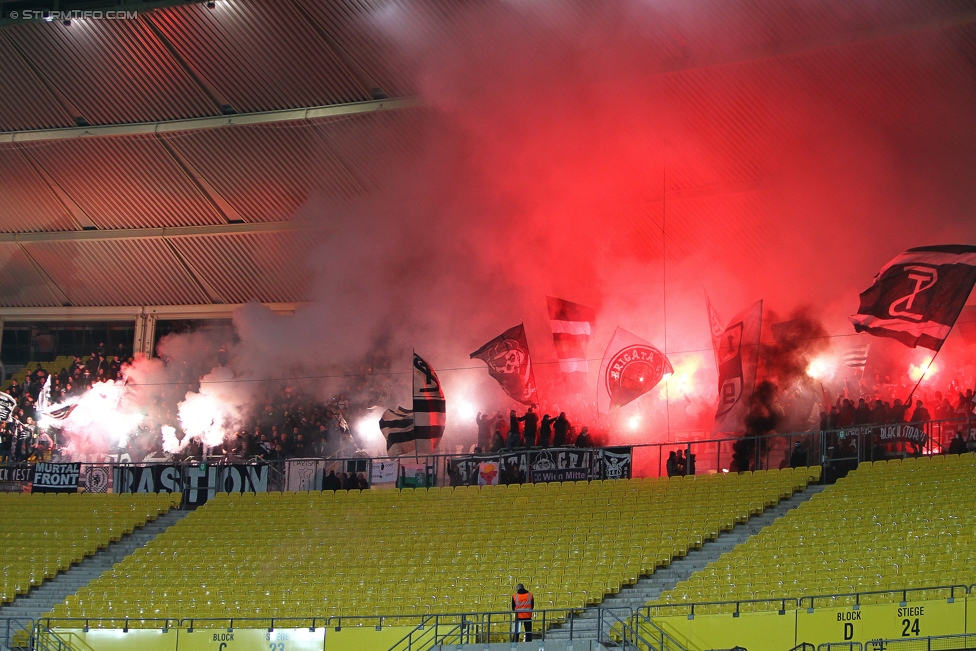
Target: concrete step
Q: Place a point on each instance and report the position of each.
(650, 587)
(44, 597)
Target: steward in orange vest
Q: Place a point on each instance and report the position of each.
(522, 605)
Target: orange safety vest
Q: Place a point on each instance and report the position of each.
(523, 605)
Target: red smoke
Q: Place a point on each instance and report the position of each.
(624, 155)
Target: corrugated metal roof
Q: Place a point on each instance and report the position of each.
(738, 25)
(266, 267)
(120, 72)
(21, 284)
(266, 172)
(125, 182)
(368, 143)
(112, 71)
(26, 202)
(117, 272)
(25, 103)
(260, 56)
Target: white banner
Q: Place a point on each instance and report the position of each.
(383, 472)
(304, 475)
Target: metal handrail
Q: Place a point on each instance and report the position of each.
(798, 601)
(13, 625)
(664, 640)
(41, 638)
(963, 640)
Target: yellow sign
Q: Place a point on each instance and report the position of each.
(764, 630)
(365, 638)
(261, 639)
(881, 622)
(114, 639)
(251, 639)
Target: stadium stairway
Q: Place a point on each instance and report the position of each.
(650, 587)
(41, 599)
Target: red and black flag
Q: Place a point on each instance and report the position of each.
(572, 325)
(917, 297)
(507, 357)
(631, 367)
(737, 357)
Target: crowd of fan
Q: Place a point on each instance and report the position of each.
(291, 424)
(20, 438)
(499, 432)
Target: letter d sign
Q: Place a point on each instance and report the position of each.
(848, 631)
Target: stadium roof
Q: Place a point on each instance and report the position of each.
(161, 159)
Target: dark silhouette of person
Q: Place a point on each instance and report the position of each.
(484, 430)
(514, 435)
(672, 464)
(531, 420)
(331, 482)
(561, 429)
(798, 458)
(545, 432)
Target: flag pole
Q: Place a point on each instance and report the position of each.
(413, 408)
(908, 401)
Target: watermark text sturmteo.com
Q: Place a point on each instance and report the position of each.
(76, 14)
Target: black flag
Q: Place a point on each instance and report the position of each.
(507, 357)
(917, 297)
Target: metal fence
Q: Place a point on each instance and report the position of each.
(12, 629)
(426, 630)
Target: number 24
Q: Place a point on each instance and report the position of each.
(911, 628)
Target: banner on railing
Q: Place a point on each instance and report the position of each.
(56, 478)
(415, 475)
(565, 464)
(617, 463)
(15, 477)
(383, 471)
(96, 477)
(897, 433)
(554, 464)
(148, 478)
(304, 474)
(513, 467)
(201, 482)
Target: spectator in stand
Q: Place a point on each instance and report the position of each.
(561, 430)
(497, 441)
(331, 482)
(921, 414)
(919, 417)
(682, 462)
(514, 436)
(545, 432)
(584, 440)
(672, 464)
(958, 444)
(484, 431)
(531, 420)
(862, 415)
(896, 415)
(846, 414)
(879, 414)
(798, 458)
